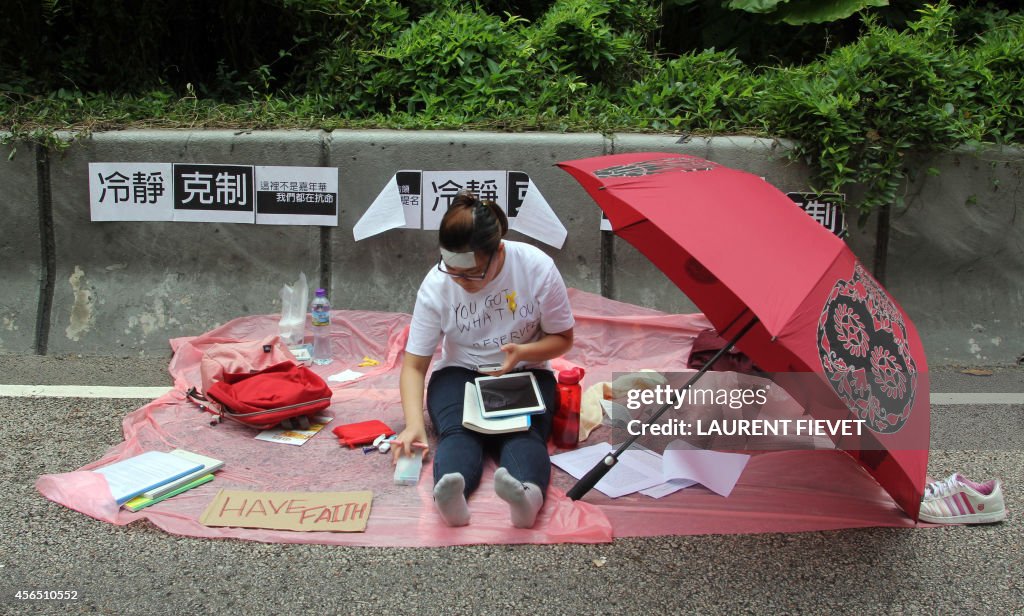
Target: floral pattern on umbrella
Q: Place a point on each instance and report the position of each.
(864, 351)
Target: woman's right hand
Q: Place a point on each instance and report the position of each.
(408, 436)
(410, 385)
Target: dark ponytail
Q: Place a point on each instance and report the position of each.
(472, 224)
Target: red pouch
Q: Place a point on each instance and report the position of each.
(362, 432)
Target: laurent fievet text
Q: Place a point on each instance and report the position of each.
(748, 427)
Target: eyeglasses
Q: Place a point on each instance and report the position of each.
(443, 268)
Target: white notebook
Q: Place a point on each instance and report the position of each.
(473, 420)
(133, 476)
(209, 465)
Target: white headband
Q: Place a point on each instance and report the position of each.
(463, 260)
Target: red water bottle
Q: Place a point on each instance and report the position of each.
(566, 426)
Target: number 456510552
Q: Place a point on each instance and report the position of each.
(46, 595)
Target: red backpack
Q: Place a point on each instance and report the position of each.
(241, 384)
(266, 398)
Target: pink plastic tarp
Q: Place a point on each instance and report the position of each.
(782, 491)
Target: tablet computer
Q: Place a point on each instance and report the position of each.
(515, 393)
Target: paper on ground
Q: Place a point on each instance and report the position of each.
(668, 487)
(291, 436)
(644, 471)
(715, 470)
(344, 376)
(636, 469)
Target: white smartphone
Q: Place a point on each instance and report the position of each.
(488, 367)
(407, 469)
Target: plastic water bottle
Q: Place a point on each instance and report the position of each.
(320, 310)
(565, 429)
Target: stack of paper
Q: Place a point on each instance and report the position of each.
(154, 476)
(655, 475)
(141, 502)
(637, 469)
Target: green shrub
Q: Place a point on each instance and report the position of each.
(995, 89)
(451, 59)
(948, 77)
(858, 111)
(340, 69)
(710, 91)
(602, 41)
(468, 65)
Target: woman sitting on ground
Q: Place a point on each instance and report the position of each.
(487, 300)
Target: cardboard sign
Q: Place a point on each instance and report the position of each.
(345, 512)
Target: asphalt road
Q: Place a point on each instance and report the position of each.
(139, 569)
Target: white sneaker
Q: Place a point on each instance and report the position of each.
(958, 500)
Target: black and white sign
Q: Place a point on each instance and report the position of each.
(297, 196)
(826, 208)
(213, 193)
(440, 187)
(410, 190)
(415, 199)
(426, 195)
(130, 191)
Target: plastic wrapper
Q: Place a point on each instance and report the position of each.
(779, 491)
(294, 302)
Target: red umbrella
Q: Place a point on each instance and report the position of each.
(790, 294)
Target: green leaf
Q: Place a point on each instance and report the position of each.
(800, 12)
(755, 6)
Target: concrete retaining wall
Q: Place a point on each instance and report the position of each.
(125, 287)
(956, 256)
(20, 250)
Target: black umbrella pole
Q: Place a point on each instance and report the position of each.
(601, 469)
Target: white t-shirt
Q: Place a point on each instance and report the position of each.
(526, 300)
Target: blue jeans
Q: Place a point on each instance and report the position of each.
(459, 450)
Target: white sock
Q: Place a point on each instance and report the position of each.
(450, 501)
(524, 499)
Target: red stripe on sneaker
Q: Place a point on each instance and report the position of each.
(954, 505)
(967, 502)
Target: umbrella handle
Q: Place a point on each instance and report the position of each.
(601, 468)
(592, 477)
